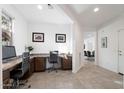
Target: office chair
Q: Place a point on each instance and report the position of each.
(93, 54)
(53, 59)
(88, 54)
(85, 53)
(18, 73)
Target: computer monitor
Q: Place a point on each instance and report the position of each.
(8, 52)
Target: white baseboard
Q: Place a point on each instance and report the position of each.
(75, 71)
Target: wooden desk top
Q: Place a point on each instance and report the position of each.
(17, 61)
(11, 63)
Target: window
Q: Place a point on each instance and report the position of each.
(6, 29)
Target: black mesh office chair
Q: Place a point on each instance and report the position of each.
(53, 59)
(18, 73)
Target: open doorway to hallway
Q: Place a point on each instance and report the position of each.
(89, 46)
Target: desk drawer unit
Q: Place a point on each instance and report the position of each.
(6, 77)
(40, 64)
(66, 64)
(32, 65)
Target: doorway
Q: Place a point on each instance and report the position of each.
(89, 46)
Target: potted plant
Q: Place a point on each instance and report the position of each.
(30, 48)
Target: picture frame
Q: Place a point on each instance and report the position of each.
(104, 42)
(60, 38)
(37, 37)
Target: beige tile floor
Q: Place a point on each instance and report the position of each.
(88, 77)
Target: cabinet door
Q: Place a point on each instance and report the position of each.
(32, 65)
(66, 64)
(6, 78)
(6, 75)
(40, 64)
(70, 63)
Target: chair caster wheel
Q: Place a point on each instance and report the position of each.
(29, 86)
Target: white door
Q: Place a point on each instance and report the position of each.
(121, 51)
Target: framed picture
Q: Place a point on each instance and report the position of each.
(60, 38)
(104, 42)
(38, 37)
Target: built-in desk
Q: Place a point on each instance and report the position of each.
(12, 63)
(37, 64)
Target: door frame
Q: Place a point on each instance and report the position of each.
(1, 75)
(118, 49)
(96, 47)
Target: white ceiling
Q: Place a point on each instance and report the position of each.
(34, 15)
(91, 19)
(84, 12)
(89, 35)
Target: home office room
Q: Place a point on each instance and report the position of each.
(62, 46)
(36, 46)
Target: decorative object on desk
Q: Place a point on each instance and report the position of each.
(104, 42)
(65, 56)
(30, 48)
(60, 38)
(38, 37)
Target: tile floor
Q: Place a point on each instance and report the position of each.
(88, 77)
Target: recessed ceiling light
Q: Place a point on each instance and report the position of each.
(96, 9)
(39, 7)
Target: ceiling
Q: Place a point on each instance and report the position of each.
(89, 18)
(84, 12)
(34, 15)
(89, 35)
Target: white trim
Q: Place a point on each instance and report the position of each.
(1, 80)
(75, 71)
(96, 49)
(118, 49)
